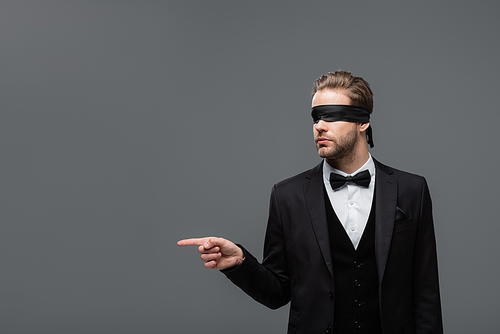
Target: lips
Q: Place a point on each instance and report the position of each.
(322, 140)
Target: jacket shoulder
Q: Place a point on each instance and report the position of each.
(296, 180)
(402, 176)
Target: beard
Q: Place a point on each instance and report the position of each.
(342, 147)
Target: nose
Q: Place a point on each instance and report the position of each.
(320, 126)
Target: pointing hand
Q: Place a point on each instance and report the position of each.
(218, 253)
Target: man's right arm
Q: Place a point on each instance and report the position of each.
(267, 283)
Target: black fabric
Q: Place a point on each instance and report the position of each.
(338, 112)
(361, 179)
(355, 278)
(345, 113)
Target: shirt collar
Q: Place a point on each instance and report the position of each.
(369, 164)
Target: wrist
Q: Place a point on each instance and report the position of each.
(240, 256)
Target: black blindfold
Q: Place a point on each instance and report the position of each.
(345, 113)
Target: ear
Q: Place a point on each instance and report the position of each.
(363, 126)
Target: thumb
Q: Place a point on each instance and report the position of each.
(214, 241)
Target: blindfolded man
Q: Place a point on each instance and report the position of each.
(350, 243)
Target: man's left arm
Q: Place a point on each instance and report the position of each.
(426, 297)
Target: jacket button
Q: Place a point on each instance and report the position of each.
(357, 283)
(332, 293)
(329, 330)
(358, 303)
(357, 325)
(357, 264)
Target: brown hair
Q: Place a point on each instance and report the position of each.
(356, 88)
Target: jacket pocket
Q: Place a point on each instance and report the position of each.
(400, 215)
(403, 225)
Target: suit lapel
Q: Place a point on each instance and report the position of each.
(385, 213)
(315, 203)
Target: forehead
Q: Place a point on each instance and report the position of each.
(330, 96)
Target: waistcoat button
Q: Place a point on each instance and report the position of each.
(357, 264)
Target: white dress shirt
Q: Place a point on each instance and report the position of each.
(351, 203)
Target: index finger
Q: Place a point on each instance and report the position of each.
(192, 242)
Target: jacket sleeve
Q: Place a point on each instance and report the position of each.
(426, 297)
(268, 283)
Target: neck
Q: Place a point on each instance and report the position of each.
(351, 163)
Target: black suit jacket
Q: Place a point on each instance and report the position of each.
(297, 263)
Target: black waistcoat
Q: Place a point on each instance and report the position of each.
(355, 277)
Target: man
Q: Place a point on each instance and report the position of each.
(350, 243)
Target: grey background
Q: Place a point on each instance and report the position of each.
(128, 125)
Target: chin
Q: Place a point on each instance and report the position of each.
(324, 153)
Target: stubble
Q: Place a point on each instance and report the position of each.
(342, 148)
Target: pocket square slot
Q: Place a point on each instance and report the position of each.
(400, 214)
(403, 225)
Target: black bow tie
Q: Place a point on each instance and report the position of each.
(362, 179)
